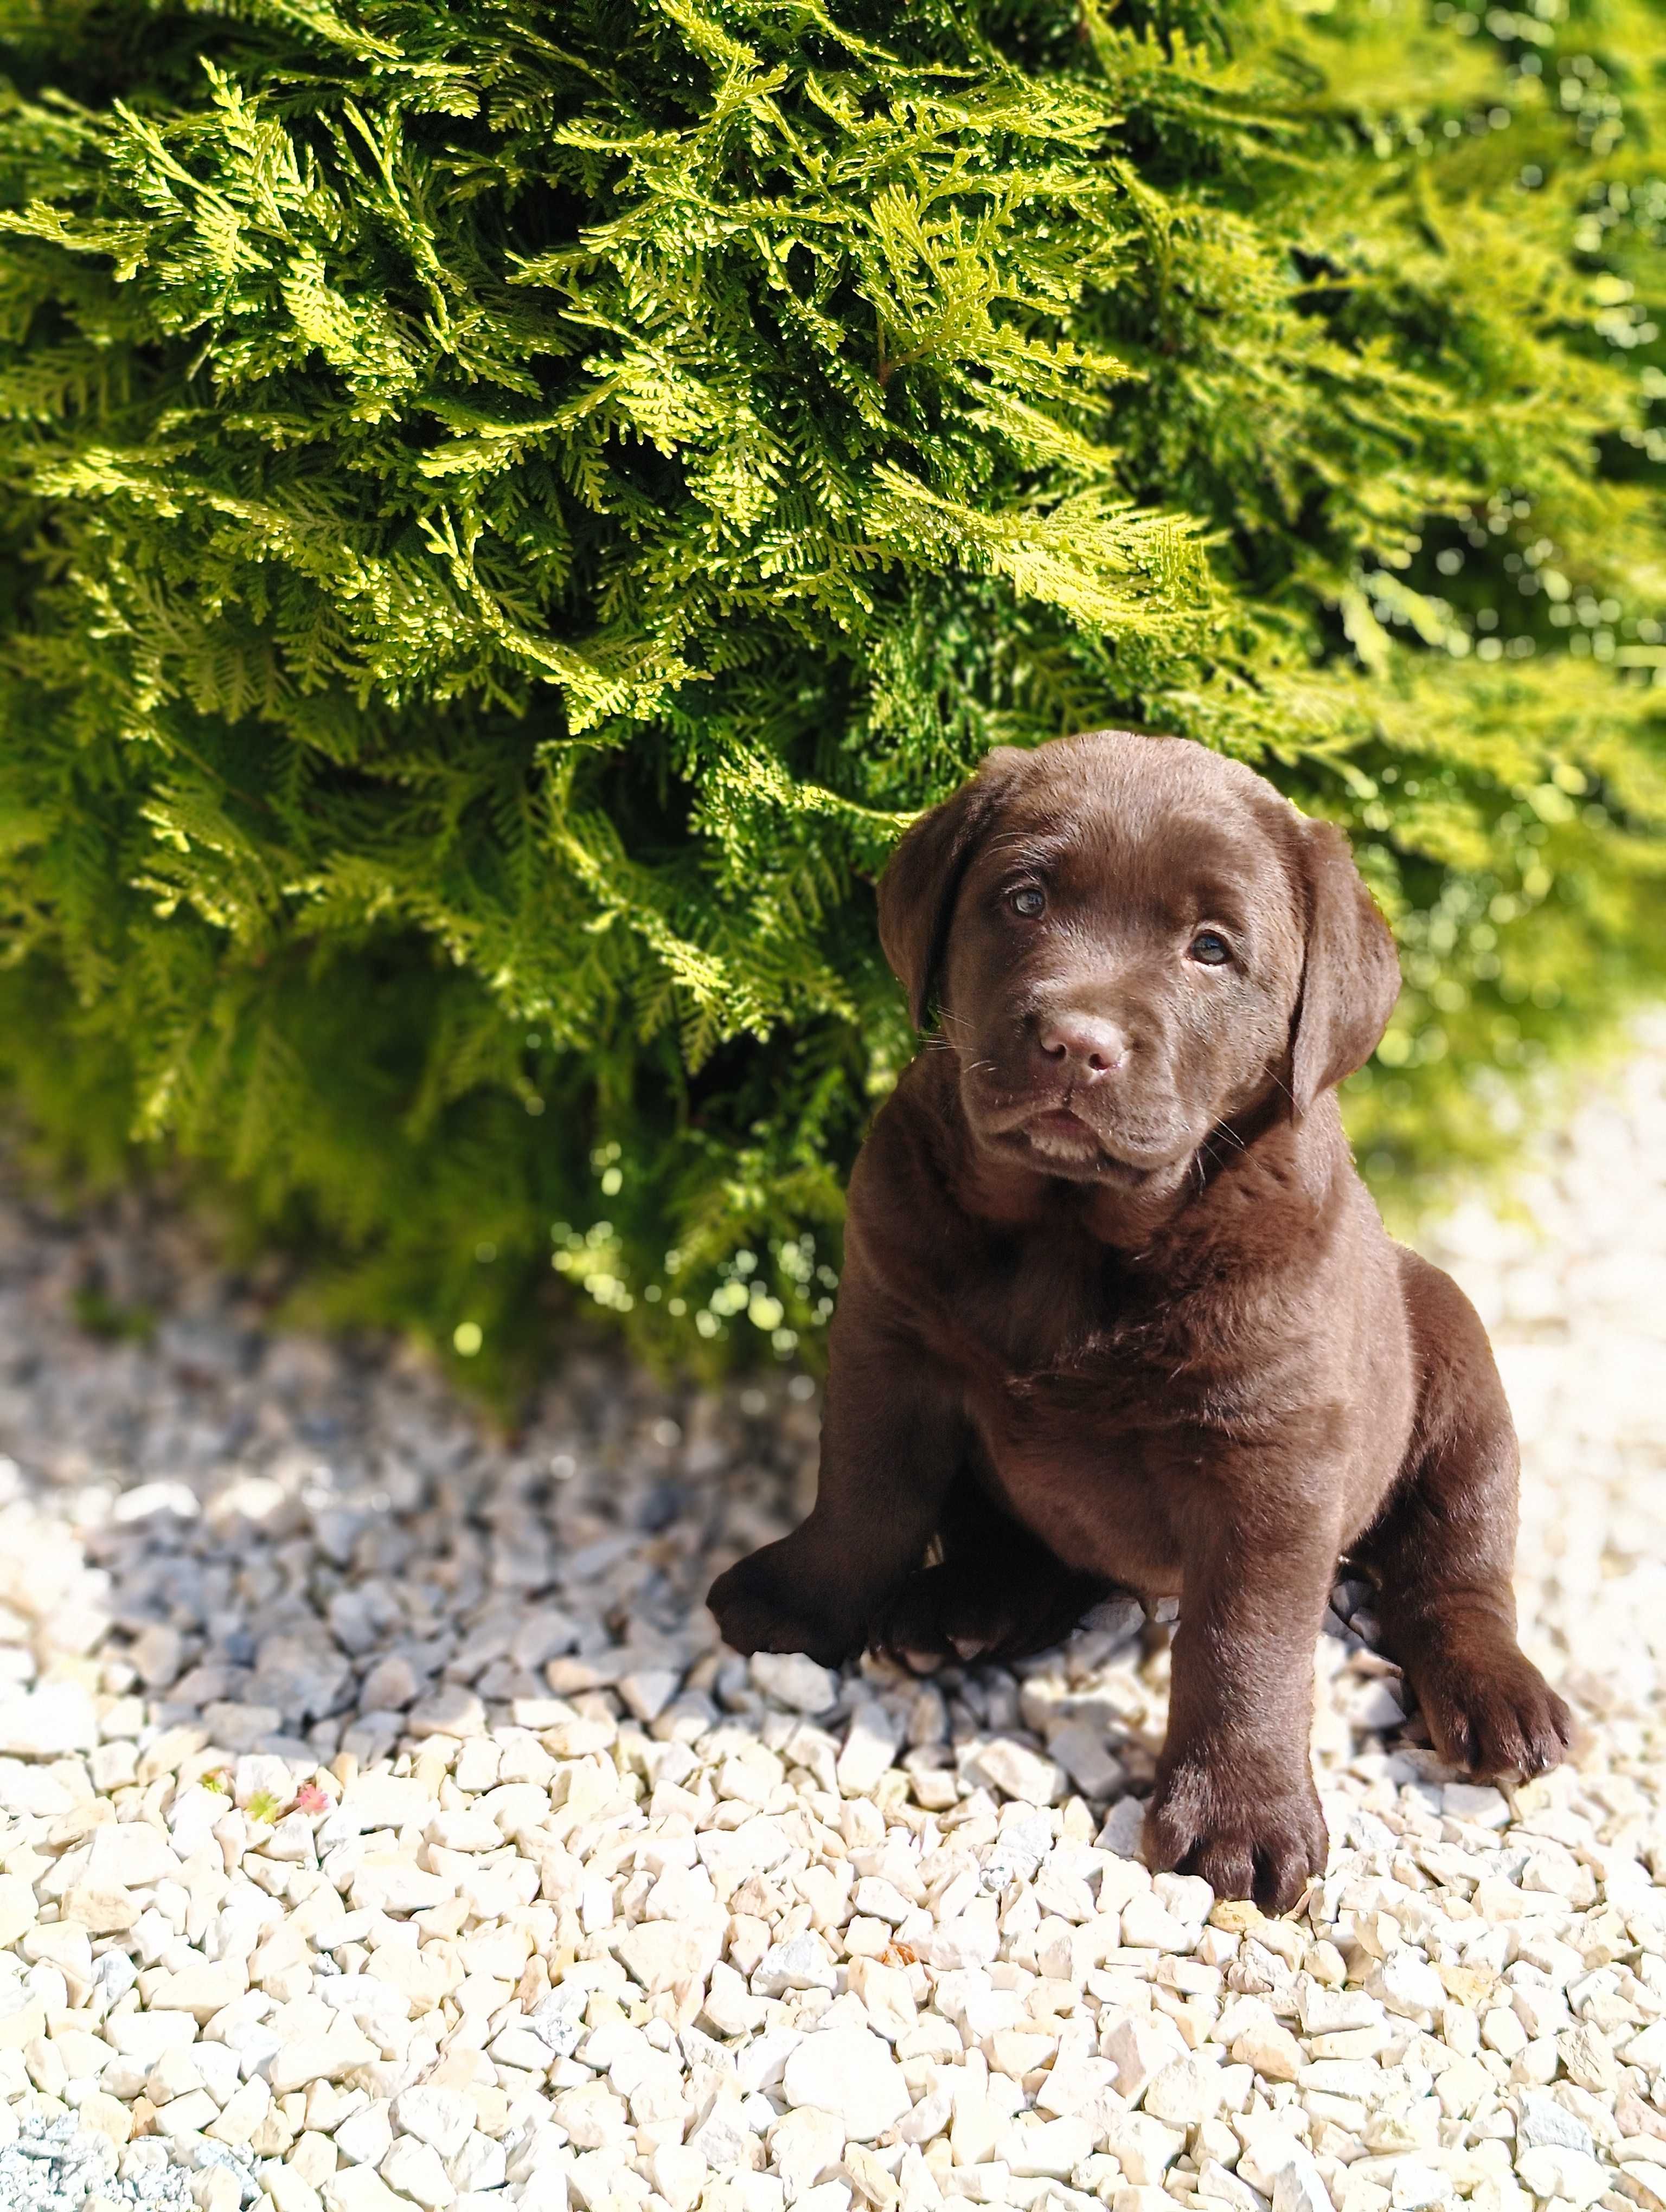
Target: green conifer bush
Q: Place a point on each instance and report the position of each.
(507, 509)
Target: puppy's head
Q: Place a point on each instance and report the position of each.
(1130, 941)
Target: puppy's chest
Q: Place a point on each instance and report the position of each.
(1041, 1304)
(1065, 1307)
(1056, 1332)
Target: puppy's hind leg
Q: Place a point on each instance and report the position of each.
(1442, 1551)
(996, 1593)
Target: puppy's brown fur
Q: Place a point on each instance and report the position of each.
(1116, 1308)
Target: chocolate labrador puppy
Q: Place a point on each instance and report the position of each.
(1116, 1308)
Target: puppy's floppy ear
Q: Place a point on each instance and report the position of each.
(1351, 973)
(917, 890)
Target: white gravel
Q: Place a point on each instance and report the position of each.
(381, 1824)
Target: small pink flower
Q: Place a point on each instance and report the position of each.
(310, 1799)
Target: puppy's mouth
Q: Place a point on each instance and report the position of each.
(1058, 1141)
(1070, 1130)
(1059, 1130)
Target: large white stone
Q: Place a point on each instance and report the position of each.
(661, 1955)
(1140, 2046)
(1146, 2147)
(130, 1855)
(795, 1680)
(360, 2189)
(368, 2136)
(730, 1855)
(1269, 2146)
(1016, 1772)
(1407, 1985)
(849, 2072)
(1124, 1827)
(1272, 2050)
(1055, 2149)
(1552, 2170)
(801, 1962)
(1148, 1925)
(870, 1745)
(679, 2175)
(1185, 2092)
(520, 2048)
(303, 2059)
(647, 1691)
(806, 2146)
(450, 1711)
(723, 2133)
(144, 2036)
(201, 1989)
(1329, 2012)
(1086, 1757)
(416, 2170)
(479, 2167)
(1542, 2124)
(887, 1996)
(243, 2112)
(433, 2115)
(381, 1800)
(1072, 2085)
(1298, 2185)
(397, 1884)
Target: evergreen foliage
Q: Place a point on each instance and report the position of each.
(508, 508)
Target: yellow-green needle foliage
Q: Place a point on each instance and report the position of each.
(506, 508)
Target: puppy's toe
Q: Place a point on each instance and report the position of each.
(910, 1629)
(1287, 1859)
(1227, 1863)
(952, 1612)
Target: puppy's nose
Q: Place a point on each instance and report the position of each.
(1084, 1044)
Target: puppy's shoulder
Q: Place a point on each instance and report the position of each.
(904, 1155)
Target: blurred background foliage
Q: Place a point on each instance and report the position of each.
(506, 510)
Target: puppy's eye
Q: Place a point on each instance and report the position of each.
(1210, 950)
(1028, 901)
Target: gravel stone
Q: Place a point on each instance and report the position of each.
(1573, 2176)
(439, 2116)
(794, 1679)
(850, 2073)
(1016, 1772)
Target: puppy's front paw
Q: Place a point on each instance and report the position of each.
(1491, 1713)
(775, 1601)
(1264, 1842)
